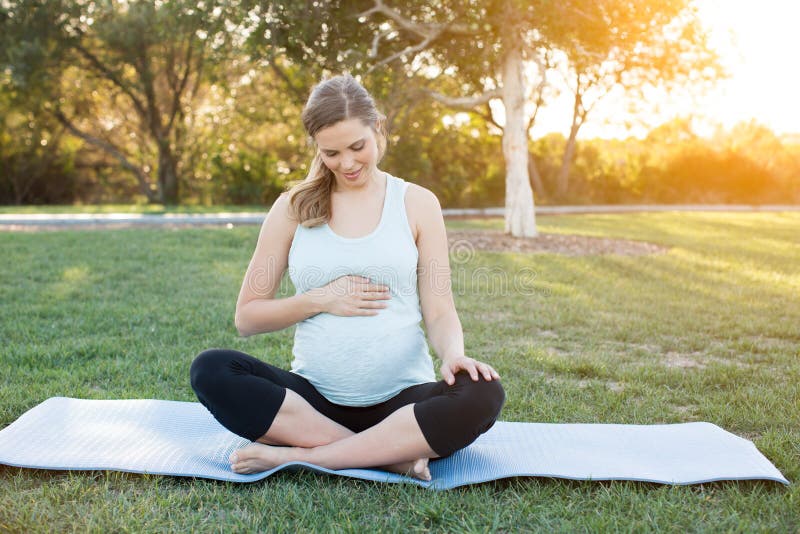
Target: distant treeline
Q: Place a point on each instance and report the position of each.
(244, 160)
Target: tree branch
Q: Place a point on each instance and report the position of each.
(109, 148)
(153, 115)
(428, 31)
(421, 29)
(466, 102)
(407, 50)
(488, 115)
(373, 51)
(109, 75)
(470, 104)
(172, 81)
(544, 65)
(178, 92)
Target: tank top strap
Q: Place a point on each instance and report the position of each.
(395, 206)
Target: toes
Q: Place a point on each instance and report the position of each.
(242, 468)
(424, 473)
(421, 469)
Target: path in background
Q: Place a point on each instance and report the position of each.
(44, 221)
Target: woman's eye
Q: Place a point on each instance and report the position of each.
(356, 149)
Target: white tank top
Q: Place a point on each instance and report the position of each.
(362, 361)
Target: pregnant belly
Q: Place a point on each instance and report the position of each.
(355, 364)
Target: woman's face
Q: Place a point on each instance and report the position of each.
(350, 150)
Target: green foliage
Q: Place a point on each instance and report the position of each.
(119, 76)
(200, 102)
(703, 175)
(461, 163)
(37, 161)
(747, 165)
(246, 179)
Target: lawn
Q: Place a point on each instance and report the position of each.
(705, 332)
(147, 209)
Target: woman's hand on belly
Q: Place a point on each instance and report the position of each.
(350, 296)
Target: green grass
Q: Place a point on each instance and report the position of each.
(120, 314)
(150, 209)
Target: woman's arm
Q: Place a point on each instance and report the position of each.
(257, 310)
(435, 292)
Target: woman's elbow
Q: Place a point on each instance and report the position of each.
(241, 331)
(247, 326)
(241, 325)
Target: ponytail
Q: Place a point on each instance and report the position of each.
(310, 200)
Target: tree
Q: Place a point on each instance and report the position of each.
(630, 46)
(489, 44)
(121, 76)
(485, 43)
(301, 42)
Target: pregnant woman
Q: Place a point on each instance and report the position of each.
(367, 253)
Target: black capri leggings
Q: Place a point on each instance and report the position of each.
(244, 394)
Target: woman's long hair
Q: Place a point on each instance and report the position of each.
(334, 100)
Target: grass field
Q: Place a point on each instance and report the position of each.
(149, 209)
(708, 331)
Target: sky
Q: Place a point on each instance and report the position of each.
(759, 44)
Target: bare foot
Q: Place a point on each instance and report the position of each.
(414, 468)
(258, 457)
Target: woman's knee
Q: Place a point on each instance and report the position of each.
(467, 409)
(242, 401)
(206, 368)
(481, 398)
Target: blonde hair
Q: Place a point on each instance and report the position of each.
(334, 100)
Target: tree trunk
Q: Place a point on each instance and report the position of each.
(569, 152)
(19, 194)
(520, 219)
(536, 178)
(167, 174)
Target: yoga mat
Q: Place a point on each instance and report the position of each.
(183, 439)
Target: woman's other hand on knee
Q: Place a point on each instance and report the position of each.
(475, 369)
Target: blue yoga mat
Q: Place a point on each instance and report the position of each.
(183, 439)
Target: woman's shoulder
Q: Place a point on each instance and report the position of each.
(280, 221)
(282, 209)
(422, 198)
(422, 208)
